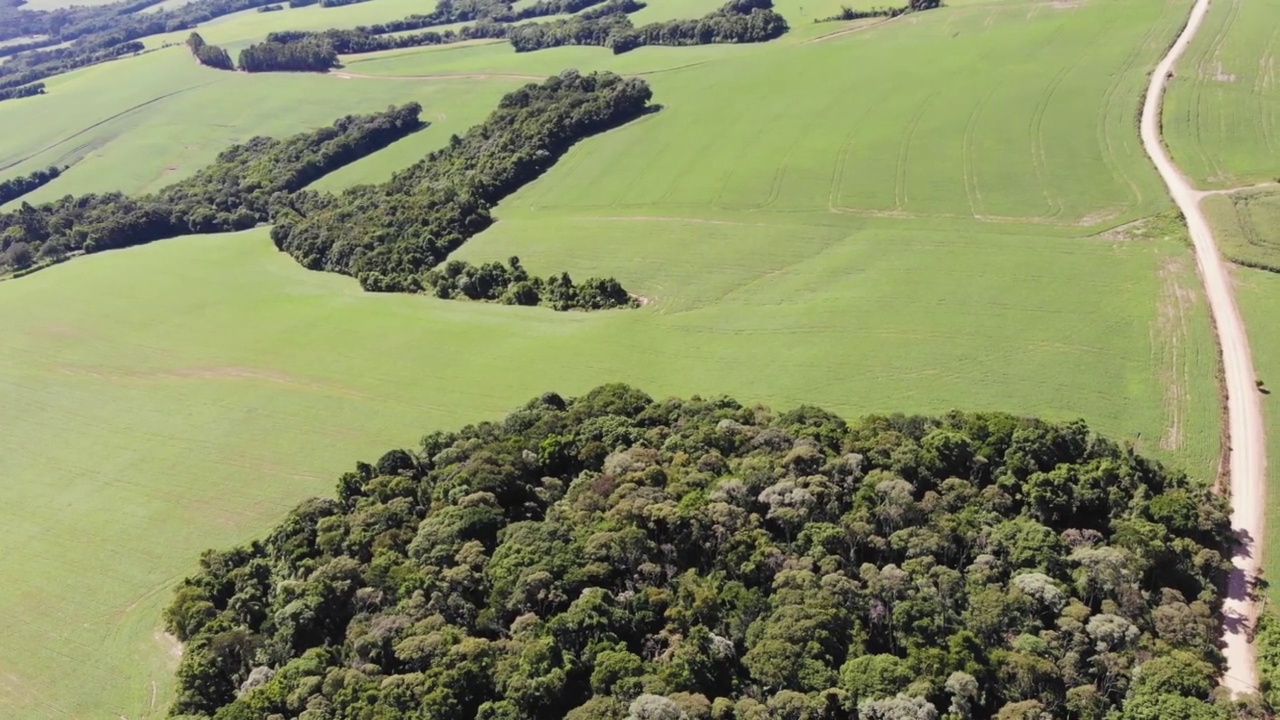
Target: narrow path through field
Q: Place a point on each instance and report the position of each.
(1248, 463)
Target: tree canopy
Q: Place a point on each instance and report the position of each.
(388, 235)
(612, 557)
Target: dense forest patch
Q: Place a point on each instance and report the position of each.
(613, 556)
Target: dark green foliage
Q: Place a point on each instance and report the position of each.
(346, 42)
(96, 34)
(238, 191)
(848, 13)
(511, 284)
(610, 554)
(20, 92)
(18, 72)
(389, 234)
(312, 54)
(339, 3)
(270, 8)
(14, 188)
(739, 21)
(210, 55)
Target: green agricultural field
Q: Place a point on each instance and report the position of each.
(1221, 118)
(1222, 112)
(908, 216)
(1247, 227)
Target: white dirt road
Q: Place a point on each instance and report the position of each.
(1248, 462)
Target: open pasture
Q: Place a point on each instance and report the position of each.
(910, 217)
(758, 128)
(1222, 111)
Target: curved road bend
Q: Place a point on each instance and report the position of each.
(1248, 462)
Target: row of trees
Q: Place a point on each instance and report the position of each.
(600, 23)
(388, 235)
(848, 13)
(739, 21)
(18, 78)
(239, 190)
(347, 42)
(211, 55)
(14, 188)
(613, 556)
(511, 284)
(314, 54)
(21, 92)
(96, 33)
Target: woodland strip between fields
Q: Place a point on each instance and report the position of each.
(393, 237)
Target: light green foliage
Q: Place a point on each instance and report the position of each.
(1222, 111)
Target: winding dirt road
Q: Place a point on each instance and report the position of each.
(1248, 462)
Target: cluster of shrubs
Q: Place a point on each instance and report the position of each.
(511, 284)
(210, 55)
(388, 235)
(617, 557)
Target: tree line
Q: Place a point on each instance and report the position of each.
(20, 92)
(511, 284)
(848, 13)
(312, 54)
(238, 191)
(348, 42)
(613, 556)
(211, 55)
(96, 33)
(739, 21)
(14, 188)
(388, 235)
(601, 23)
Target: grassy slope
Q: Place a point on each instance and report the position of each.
(1221, 121)
(807, 235)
